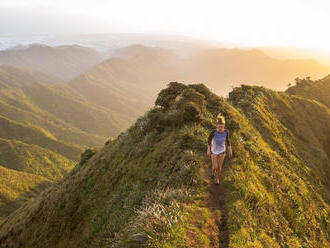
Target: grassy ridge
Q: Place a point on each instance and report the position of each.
(144, 189)
(280, 187)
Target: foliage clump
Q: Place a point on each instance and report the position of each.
(166, 97)
(86, 155)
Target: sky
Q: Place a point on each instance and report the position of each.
(297, 23)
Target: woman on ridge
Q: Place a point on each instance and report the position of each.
(218, 144)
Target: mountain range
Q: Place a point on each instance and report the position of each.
(151, 186)
(281, 142)
(60, 63)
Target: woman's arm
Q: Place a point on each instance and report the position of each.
(228, 144)
(208, 150)
(209, 141)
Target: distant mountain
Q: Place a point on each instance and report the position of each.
(223, 68)
(61, 63)
(142, 51)
(125, 86)
(321, 56)
(15, 77)
(219, 68)
(151, 186)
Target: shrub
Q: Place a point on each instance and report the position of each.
(86, 155)
(166, 97)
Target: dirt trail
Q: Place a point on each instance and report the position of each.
(215, 202)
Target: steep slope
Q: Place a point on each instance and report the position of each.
(34, 150)
(291, 125)
(59, 62)
(150, 186)
(16, 188)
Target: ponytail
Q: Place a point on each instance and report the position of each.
(221, 119)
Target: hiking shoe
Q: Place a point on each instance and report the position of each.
(217, 181)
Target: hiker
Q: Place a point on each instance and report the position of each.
(218, 146)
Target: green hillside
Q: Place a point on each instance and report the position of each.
(37, 136)
(150, 187)
(95, 105)
(17, 105)
(291, 125)
(79, 114)
(45, 127)
(33, 159)
(53, 123)
(16, 188)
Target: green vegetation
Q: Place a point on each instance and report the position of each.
(53, 123)
(37, 136)
(146, 188)
(16, 188)
(318, 90)
(33, 159)
(282, 187)
(87, 154)
(15, 105)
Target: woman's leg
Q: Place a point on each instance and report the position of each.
(220, 159)
(214, 164)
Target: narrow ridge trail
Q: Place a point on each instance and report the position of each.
(216, 203)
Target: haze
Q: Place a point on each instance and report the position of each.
(296, 23)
